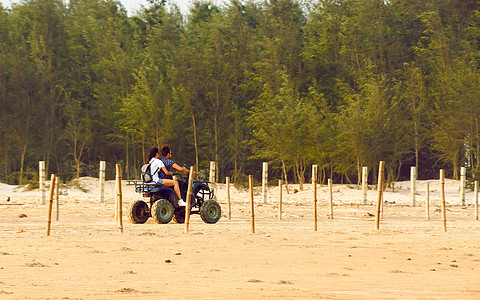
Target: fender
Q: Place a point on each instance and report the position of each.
(201, 185)
(165, 193)
(198, 185)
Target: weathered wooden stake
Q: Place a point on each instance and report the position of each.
(280, 199)
(116, 197)
(413, 179)
(330, 190)
(57, 204)
(442, 193)
(50, 203)
(227, 180)
(41, 181)
(382, 204)
(427, 200)
(252, 207)
(314, 183)
(380, 192)
(265, 181)
(463, 176)
(189, 197)
(119, 196)
(211, 178)
(364, 184)
(101, 180)
(476, 199)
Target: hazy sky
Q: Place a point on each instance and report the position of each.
(133, 5)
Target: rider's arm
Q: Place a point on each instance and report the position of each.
(181, 169)
(166, 172)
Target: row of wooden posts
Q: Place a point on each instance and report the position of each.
(364, 182)
(379, 205)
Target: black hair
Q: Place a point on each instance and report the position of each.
(152, 153)
(165, 150)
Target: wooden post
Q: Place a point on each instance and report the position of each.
(50, 203)
(252, 207)
(41, 181)
(314, 183)
(382, 205)
(280, 199)
(442, 194)
(330, 188)
(364, 184)
(427, 201)
(189, 197)
(227, 181)
(264, 181)
(380, 196)
(211, 178)
(463, 176)
(476, 199)
(116, 197)
(101, 181)
(119, 196)
(413, 178)
(57, 204)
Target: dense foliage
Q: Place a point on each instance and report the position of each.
(339, 83)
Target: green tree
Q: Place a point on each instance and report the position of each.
(100, 69)
(282, 123)
(373, 126)
(240, 54)
(37, 54)
(78, 131)
(414, 93)
(5, 69)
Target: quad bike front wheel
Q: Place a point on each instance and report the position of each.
(138, 212)
(210, 212)
(162, 211)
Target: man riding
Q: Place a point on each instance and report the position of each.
(169, 163)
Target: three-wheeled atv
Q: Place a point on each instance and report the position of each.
(162, 205)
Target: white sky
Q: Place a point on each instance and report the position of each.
(133, 5)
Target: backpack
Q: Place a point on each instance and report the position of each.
(147, 175)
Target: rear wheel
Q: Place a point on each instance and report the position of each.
(162, 211)
(210, 212)
(138, 212)
(179, 215)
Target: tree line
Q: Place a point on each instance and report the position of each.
(339, 83)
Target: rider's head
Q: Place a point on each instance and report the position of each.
(165, 150)
(153, 153)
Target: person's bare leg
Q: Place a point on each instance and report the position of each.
(174, 183)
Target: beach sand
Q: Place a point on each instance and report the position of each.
(86, 256)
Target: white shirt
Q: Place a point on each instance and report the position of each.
(155, 166)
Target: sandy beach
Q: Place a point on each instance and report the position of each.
(86, 256)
